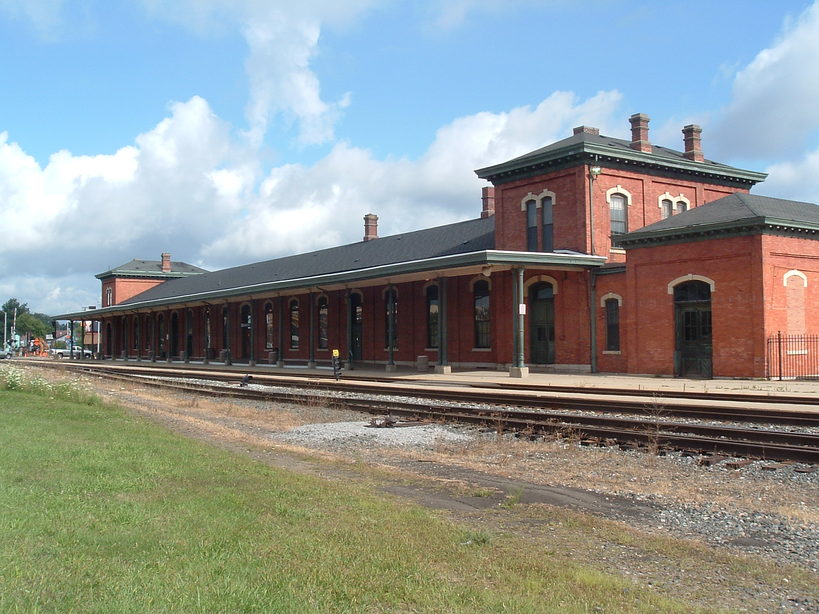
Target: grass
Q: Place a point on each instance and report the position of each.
(102, 512)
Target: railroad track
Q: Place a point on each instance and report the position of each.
(535, 416)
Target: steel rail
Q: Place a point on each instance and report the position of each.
(708, 407)
(754, 443)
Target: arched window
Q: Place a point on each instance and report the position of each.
(531, 226)
(480, 313)
(433, 322)
(682, 206)
(294, 324)
(666, 208)
(548, 228)
(612, 325)
(322, 323)
(391, 309)
(619, 217)
(268, 326)
(109, 294)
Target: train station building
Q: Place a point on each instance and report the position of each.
(590, 254)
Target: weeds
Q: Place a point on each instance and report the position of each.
(655, 410)
(476, 538)
(20, 380)
(513, 497)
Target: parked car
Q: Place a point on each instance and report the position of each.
(66, 352)
(5, 353)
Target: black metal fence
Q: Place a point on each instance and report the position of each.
(792, 357)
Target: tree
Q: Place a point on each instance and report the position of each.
(9, 306)
(28, 324)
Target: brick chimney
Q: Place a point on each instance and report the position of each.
(639, 132)
(370, 227)
(693, 142)
(166, 262)
(586, 130)
(488, 201)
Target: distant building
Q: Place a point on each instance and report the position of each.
(592, 253)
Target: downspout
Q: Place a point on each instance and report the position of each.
(593, 319)
(594, 171)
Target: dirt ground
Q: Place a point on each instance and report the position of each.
(587, 505)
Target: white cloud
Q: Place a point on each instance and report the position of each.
(300, 208)
(176, 186)
(775, 99)
(44, 15)
(795, 180)
(282, 38)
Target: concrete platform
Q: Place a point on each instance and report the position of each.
(487, 377)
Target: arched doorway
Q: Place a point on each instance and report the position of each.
(174, 340)
(188, 333)
(161, 336)
(244, 326)
(541, 324)
(356, 325)
(692, 317)
(108, 340)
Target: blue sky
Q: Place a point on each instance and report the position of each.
(228, 131)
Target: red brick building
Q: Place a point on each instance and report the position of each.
(592, 253)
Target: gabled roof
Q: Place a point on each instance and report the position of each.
(734, 214)
(151, 268)
(586, 147)
(444, 248)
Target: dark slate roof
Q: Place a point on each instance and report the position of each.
(588, 147)
(737, 212)
(459, 238)
(151, 268)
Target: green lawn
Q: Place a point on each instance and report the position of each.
(103, 512)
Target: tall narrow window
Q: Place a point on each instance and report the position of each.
(432, 317)
(322, 323)
(612, 325)
(268, 326)
(294, 324)
(108, 297)
(480, 311)
(391, 297)
(531, 226)
(682, 206)
(548, 229)
(619, 218)
(666, 208)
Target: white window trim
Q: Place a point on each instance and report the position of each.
(691, 277)
(609, 295)
(478, 278)
(538, 198)
(795, 273)
(538, 278)
(674, 200)
(618, 189)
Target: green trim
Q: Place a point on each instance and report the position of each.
(744, 227)
(146, 274)
(487, 257)
(588, 152)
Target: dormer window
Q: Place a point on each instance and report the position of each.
(548, 228)
(531, 225)
(666, 208)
